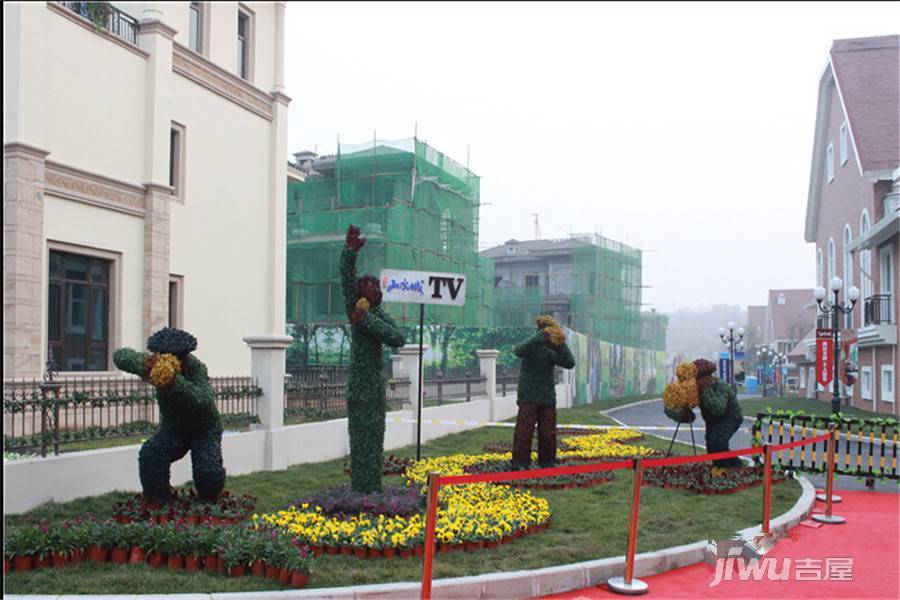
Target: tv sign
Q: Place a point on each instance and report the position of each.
(423, 287)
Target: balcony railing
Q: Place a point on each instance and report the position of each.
(108, 17)
(877, 310)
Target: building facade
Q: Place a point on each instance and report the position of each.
(852, 208)
(145, 158)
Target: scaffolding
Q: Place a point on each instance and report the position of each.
(418, 209)
(595, 283)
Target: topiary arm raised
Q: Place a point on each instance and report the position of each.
(131, 361)
(562, 356)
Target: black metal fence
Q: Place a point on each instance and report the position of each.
(322, 399)
(877, 310)
(44, 415)
(863, 448)
(106, 16)
(455, 389)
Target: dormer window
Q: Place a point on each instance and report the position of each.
(511, 249)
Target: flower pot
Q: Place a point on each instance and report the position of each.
(175, 563)
(419, 550)
(374, 552)
(346, 550)
(192, 563)
(22, 563)
(389, 552)
(77, 556)
(236, 571)
(317, 550)
(492, 543)
(156, 559)
(118, 556)
(215, 520)
(479, 544)
(163, 519)
(42, 563)
(444, 548)
(404, 553)
(456, 547)
(137, 555)
(58, 561)
(97, 554)
(211, 563)
(272, 572)
(284, 576)
(518, 533)
(6, 565)
(360, 552)
(193, 519)
(257, 568)
(298, 580)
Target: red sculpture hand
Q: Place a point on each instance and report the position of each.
(354, 239)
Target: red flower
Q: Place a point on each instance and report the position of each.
(354, 240)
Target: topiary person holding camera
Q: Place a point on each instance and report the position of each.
(189, 419)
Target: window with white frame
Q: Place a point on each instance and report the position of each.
(886, 281)
(848, 270)
(832, 270)
(197, 23)
(865, 383)
(819, 268)
(829, 163)
(887, 383)
(865, 258)
(245, 43)
(844, 137)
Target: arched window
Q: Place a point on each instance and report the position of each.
(819, 268)
(847, 259)
(865, 258)
(832, 270)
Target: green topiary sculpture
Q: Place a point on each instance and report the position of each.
(189, 419)
(696, 385)
(371, 327)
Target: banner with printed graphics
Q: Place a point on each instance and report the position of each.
(423, 287)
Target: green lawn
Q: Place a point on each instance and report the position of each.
(588, 523)
(751, 406)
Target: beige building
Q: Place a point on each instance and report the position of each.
(144, 165)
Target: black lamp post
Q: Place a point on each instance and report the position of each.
(763, 354)
(730, 340)
(835, 308)
(778, 362)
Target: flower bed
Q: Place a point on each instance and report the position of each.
(235, 551)
(544, 483)
(342, 501)
(393, 465)
(228, 509)
(704, 479)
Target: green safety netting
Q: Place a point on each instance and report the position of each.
(417, 207)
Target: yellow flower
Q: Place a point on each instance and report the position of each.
(363, 304)
(164, 370)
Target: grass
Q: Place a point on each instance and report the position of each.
(588, 523)
(751, 406)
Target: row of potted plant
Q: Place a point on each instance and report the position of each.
(177, 545)
(393, 465)
(704, 479)
(184, 504)
(558, 482)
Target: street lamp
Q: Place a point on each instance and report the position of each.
(779, 362)
(730, 341)
(835, 308)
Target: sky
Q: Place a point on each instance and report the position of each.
(683, 129)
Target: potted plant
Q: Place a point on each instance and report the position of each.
(20, 546)
(256, 547)
(100, 533)
(121, 543)
(173, 544)
(298, 566)
(153, 545)
(78, 534)
(236, 551)
(277, 548)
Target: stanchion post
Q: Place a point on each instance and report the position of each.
(767, 489)
(628, 584)
(430, 522)
(828, 518)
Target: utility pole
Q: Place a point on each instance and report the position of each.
(537, 226)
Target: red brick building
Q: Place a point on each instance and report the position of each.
(852, 209)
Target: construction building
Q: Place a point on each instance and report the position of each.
(418, 209)
(589, 283)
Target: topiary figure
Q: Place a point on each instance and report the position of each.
(189, 419)
(537, 392)
(371, 327)
(695, 385)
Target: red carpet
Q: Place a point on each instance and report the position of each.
(871, 537)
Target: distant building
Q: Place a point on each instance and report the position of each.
(852, 208)
(589, 283)
(144, 151)
(789, 316)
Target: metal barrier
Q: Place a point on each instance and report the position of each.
(627, 584)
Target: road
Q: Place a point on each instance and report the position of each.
(650, 414)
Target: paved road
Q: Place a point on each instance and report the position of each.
(650, 414)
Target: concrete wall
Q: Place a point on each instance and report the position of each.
(62, 478)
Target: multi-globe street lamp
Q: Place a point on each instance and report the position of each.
(730, 340)
(835, 308)
(778, 362)
(764, 355)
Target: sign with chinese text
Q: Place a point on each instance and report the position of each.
(824, 357)
(423, 287)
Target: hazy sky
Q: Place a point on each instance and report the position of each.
(684, 129)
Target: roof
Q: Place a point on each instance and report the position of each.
(864, 73)
(867, 71)
(792, 318)
(532, 248)
(797, 354)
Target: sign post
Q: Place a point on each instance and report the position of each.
(422, 287)
(824, 357)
